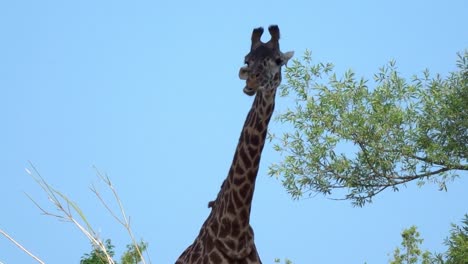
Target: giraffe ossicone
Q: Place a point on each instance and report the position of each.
(226, 236)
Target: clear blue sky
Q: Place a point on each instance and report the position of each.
(147, 91)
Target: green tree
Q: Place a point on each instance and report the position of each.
(457, 243)
(349, 141)
(97, 256)
(286, 261)
(410, 253)
(131, 256)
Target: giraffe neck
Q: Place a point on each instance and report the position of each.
(235, 198)
(226, 232)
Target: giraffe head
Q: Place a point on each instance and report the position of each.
(263, 62)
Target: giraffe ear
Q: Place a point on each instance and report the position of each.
(285, 57)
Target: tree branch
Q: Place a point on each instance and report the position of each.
(440, 163)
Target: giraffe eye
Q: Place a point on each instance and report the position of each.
(246, 63)
(278, 61)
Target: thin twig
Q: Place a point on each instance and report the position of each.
(126, 220)
(95, 191)
(66, 209)
(21, 247)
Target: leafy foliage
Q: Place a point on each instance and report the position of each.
(131, 256)
(410, 252)
(97, 256)
(458, 243)
(286, 261)
(346, 136)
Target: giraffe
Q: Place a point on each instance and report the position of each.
(226, 236)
